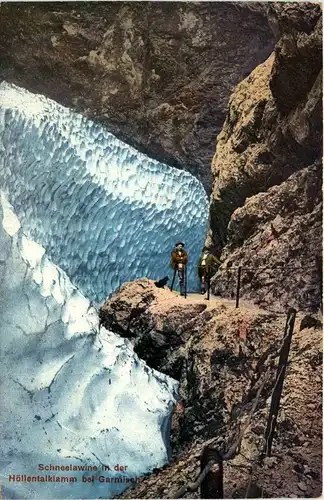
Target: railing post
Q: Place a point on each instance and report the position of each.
(238, 287)
(277, 390)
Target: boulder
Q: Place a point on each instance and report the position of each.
(158, 322)
(276, 237)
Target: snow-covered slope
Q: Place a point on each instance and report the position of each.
(70, 395)
(105, 213)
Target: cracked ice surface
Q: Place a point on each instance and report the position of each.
(105, 213)
(69, 393)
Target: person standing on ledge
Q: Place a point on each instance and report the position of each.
(207, 267)
(179, 260)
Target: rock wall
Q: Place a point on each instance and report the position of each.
(158, 74)
(277, 239)
(273, 129)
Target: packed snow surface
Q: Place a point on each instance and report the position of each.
(71, 395)
(105, 213)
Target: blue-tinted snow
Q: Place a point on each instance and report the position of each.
(69, 393)
(104, 212)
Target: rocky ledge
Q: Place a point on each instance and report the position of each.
(276, 238)
(220, 355)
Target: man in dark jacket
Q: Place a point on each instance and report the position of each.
(207, 267)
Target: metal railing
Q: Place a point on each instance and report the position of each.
(211, 477)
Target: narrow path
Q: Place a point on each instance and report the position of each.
(216, 300)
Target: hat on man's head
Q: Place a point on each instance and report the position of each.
(179, 243)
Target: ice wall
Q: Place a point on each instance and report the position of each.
(104, 212)
(70, 395)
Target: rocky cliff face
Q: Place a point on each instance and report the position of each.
(158, 74)
(273, 125)
(277, 238)
(273, 129)
(220, 355)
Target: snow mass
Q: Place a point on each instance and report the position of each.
(105, 213)
(71, 394)
(80, 213)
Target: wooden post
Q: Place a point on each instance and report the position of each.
(277, 390)
(212, 484)
(319, 269)
(238, 287)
